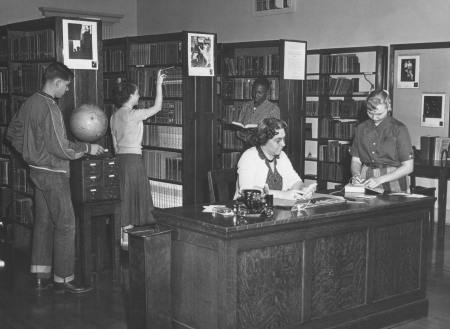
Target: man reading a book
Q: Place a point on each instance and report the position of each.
(382, 154)
(256, 110)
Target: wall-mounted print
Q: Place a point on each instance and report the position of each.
(433, 110)
(80, 44)
(201, 54)
(408, 69)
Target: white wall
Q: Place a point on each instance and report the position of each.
(323, 23)
(12, 11)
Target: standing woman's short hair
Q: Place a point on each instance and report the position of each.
(378, 96)
(122, 92)
(267, 129)
(57, 70)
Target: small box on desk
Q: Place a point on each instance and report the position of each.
(94, 178)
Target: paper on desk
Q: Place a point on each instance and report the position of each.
(210, 208)
(412, 195)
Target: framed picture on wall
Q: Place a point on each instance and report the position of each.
(200, 54)
(433, 110)
(408, 70)
(80, 44)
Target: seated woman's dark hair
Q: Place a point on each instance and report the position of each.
(267, 129)
(122, 92)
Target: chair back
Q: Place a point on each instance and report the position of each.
(222, 185)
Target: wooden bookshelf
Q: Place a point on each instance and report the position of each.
(338, 83)
(177, 141)
(240, 64)
(26, 48)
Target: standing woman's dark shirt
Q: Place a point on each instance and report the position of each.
(387, 144)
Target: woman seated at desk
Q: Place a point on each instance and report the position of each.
(266, 167)
(382, 154)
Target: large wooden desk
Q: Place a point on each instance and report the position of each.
(349, 265)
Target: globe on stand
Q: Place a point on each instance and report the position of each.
(88, 123)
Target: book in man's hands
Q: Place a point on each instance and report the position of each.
(241, 126)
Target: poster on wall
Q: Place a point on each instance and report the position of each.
(80, 44)
(433, 110)
(294, 60)
(408, 70)
(201, 54)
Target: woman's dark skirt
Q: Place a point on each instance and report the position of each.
(135, 192)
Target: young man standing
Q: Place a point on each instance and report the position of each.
(256, 110)
(37, 132)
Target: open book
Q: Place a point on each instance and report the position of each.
(247, 126)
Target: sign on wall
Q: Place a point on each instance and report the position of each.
(80, 44)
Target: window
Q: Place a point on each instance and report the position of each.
(270, 7)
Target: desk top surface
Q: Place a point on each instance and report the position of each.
(193, 217)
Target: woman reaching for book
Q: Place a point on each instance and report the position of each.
(267, 168)
(127, 131)
(382, 154)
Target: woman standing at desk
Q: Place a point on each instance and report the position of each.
(382, 153)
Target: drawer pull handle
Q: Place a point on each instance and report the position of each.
(92, 177)
(111, 176)
(93, 164)
(93, 190)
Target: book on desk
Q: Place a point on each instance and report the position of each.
(434, 148)
(318, 199)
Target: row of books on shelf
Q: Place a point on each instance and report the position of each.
(253, 65)
(109, 85)
(4, 80)
(113, 60)
(241, 88)
(22, 182)
(230, 140)
(231, 112)
(5, 171)
(230, 159)
(432, 147)
(348, 108)
(344, 63)
(3, 48)
(332, 86)
(24, 210)
(171, 111)
(333, 171)
(334, 151)
(169, 52)
(27, 78)
(329, 128)
(163, 165)
(32, 45)
(4, 112)
(166, 195)
(4, 149)
(163, 136)
(146, 78)
(17, 177)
